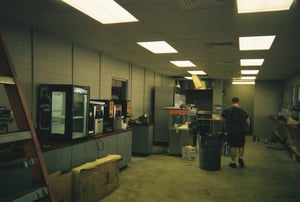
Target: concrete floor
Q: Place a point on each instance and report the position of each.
(270, 174)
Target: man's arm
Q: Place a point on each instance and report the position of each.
(248, 122)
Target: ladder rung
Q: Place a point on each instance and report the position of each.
(7, 80)
(32, 194)
(16, 136)
(20, 165)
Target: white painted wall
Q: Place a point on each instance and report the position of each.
(42, 58)
(267, 101)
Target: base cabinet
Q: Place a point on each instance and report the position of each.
(64, 159)
(142, 139)
(61, 160)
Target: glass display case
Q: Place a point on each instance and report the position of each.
(63, 111)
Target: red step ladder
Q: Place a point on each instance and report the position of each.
(22, 144)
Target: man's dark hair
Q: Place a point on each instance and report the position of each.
(235, 100)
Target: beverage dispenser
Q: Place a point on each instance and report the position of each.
(96, 116)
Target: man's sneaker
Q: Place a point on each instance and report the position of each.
(241, 162)
(232, 165)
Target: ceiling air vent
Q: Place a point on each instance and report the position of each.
(226, 43)
(191, 4)
(218, 44)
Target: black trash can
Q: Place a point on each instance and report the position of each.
(210, 152)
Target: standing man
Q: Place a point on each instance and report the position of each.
(237, 124)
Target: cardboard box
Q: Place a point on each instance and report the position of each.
(95, 180)
(61, 185)
(188, 153)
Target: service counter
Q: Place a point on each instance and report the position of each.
(63, 156)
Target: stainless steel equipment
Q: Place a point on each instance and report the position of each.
(96, 115)
(108, 117)
(164, 97)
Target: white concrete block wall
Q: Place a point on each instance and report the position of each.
(138, 86)
(86, 69)
(149, 86)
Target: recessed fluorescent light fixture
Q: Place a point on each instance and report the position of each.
(248, 77)
(197, 72)
(251, 62)
(243, 82)
(249, 72)
(256, 42)
(183, 63)
(188, 77)
(104, 11)
(255, 6)
(158, 47)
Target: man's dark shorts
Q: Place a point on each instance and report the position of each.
(236, 140)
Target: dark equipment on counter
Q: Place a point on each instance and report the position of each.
(145, 119)
(5, 118)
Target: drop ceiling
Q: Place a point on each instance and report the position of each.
(203, 31)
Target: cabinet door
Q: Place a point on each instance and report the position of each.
(125, 147)
(84, 152)
(15, 179)
(106, 145)
(58, 160)
(101, 145)
(112, 144)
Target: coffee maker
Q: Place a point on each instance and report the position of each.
(118, 118)
(96, 115)
(126, 109)
(108, 115)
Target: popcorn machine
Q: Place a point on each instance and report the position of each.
(182, 129)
